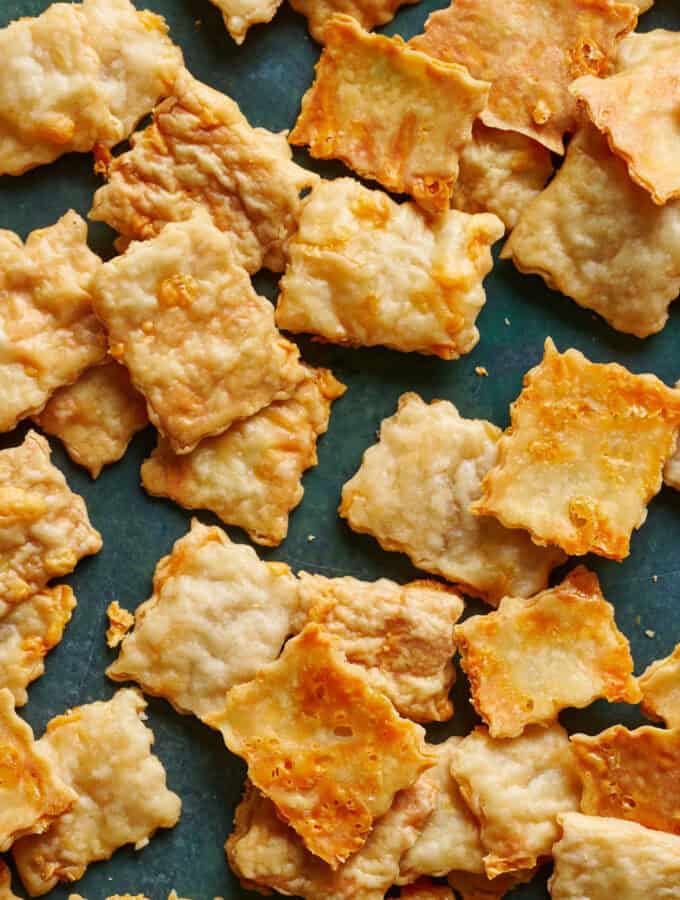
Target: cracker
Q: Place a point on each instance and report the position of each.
(120, 623)
(32, 795)
(584, 454)
(413, 491)
(326, 747)
(50, 333)
(516, 788)
(201, 152)
(6, 892)
(660, 686)
(28, 631)
(367, 271)
(424, 889)
(529, 56)
(251, 475)
(240, 15)
(44, 527)
(389, 112)
(368, 13)
(216, 616)
(471, 886)
(103, 752)
(533, 658)
(200, 344)
(602, 858)
(671, 473)
(597, 237)
(95, 418)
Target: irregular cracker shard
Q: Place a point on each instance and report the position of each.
(96, 417)
(326, 747)
(28, 631)
(598, 238)
(533, 658)
(660, 686)
(120, 622)
(601, 858)
(389, 112)
(216, 616)
(44, 527)
(266, 853)
(77, 76)
(240, 15)
(516, 788)
(251, 475)
(402, 637)
(368, 13)
(584, 454)
(32, 795)
(365, 270)
(199, 343)
(103, 752)
(50, 334)
(530, 58)
(413, 491)
(200, 151)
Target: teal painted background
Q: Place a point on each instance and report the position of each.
(267, 76)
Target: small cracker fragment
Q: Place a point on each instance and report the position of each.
(103, 752)
(413, 491)
(240, 15)
(671, 473)
(200, 344)
(120, 622)
(44, 527)
(471, 886)
(96, 417)
(516, 788)
(601, 858)
(364, 270)
(529, 55)
(584, 454)
(660, 686)
(401, 636)
(217, 615)
(425, 889)
(389, 112)
(327, 748)
(251, 475)
(368, 13)
(533, 658)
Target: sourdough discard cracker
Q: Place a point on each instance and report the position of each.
(368, 13)
(240, 15)
(660, 686)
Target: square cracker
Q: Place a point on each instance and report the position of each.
(516, 788)
(200, 151)
(529, 55)
(389, 112)
(44, 527)
(50, 333)
(217, 615)
(660, 686)
(327, 748)
(251, 475)
(103, 752)
(413, 492)
(368, 271)
(533, 658)
(601, 858)
(240, 15)
(584, 454)
(32, 795)
(96, 417)
(368, 13)
(199, 343)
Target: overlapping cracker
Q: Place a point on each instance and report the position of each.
(601, 858)
(530, 55)
(660, 686)
(240, 15)
(413, 492)
(200, 344)
(216, 616)
(368, 13)
(365, 270)
(28, 631)
(103, 752)
(584, 454)
(389, 112)
(200, 151)
(533, 658)
(327, 748)
(516, 788)
(251, 475)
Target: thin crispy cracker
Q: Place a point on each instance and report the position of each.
(660, 686)
(240, 15)
(120, 623)
(389, 112)
(368, 13)
(413, 491)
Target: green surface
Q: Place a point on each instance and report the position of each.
(267, 76)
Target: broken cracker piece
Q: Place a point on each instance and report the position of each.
(240, 15)
(425, 889)
(472, 886)
(120, 622)
(6, 892)
(660, 686)
(368, 13)
(671, 473)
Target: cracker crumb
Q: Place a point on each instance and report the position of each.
(649, 633)
(481, 371)
(506, 320)
(311, 537)
(655, 578)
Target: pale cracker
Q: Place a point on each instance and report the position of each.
(368, 13)
(660, 686)
(240, 15)
(120, 623)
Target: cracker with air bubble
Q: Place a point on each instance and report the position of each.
(389, 112)
(660, 686)
(240, 15)
(369, 13)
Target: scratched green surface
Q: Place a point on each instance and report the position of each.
(267, 76)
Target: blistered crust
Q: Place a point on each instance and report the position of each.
(389, 112)
(240, 15)
(368, 13)
(660, 686)
(413, 492)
